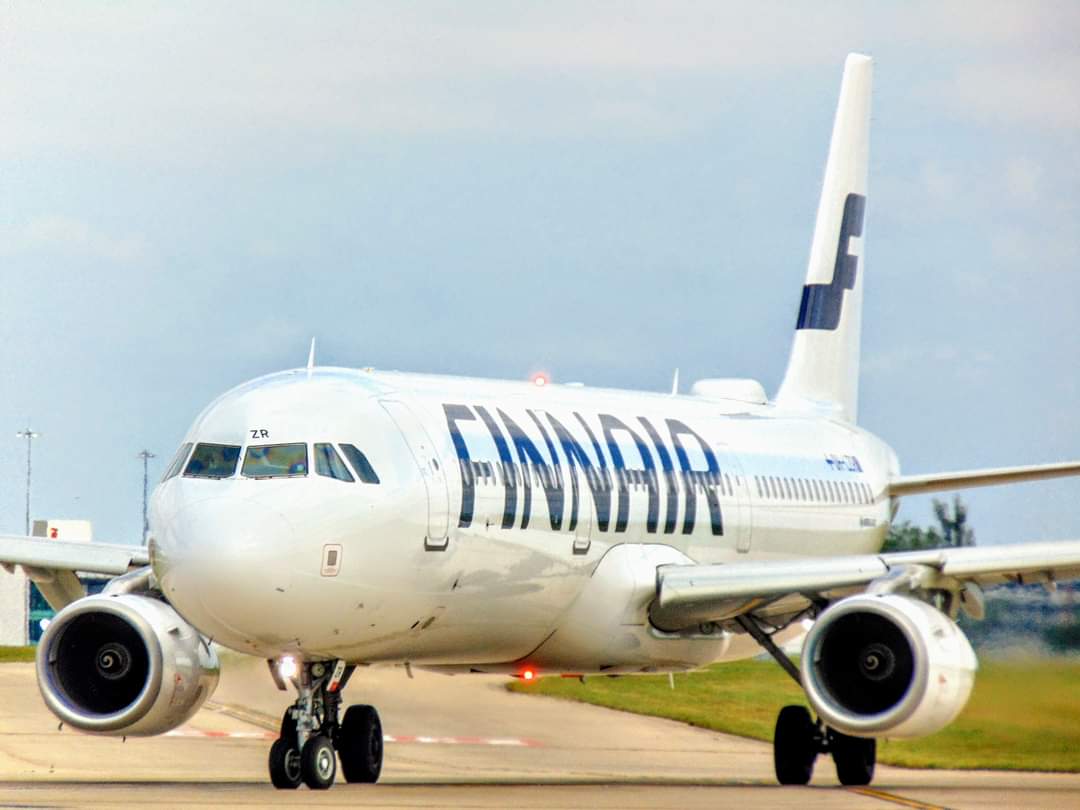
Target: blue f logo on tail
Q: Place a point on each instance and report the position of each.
(821, 303)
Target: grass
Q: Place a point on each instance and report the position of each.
(20, 654)
(1021, 716)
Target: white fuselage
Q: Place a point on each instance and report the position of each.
(511, 524)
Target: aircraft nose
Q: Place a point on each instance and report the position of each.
(220, 560)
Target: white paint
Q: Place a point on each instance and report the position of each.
(14, 608)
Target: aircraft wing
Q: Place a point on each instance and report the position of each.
(938, 482)
(52, 564)
(687, 595)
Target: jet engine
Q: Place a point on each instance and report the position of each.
(887, 666)
(124, 665)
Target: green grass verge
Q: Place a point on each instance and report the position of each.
(1022, 716)
(10, 654)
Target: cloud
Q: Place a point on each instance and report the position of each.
(172, 82)
(204, 82)
(70, 236)
(1035, 250)
(1023, 178)
(938, 183)
(1043, 95)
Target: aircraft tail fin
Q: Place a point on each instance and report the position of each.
(823, 369)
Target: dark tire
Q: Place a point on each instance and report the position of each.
(285, 764)
(360, 744)
(854, 758)
(318, 763)
(795, 746)
(288, 726)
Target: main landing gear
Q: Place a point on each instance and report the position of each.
(312, 739)
(798, 738)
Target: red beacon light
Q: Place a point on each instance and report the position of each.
(528, 674)
(540, 379)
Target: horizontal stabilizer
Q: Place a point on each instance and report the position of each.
(942, 482)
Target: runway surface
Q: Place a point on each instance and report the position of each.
(452, 742)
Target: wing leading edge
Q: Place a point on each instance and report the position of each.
(52, 564)
(687, 595)
(942, 482)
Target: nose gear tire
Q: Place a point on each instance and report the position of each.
(318, 763)
(285, 764)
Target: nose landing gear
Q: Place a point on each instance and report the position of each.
(312, 739)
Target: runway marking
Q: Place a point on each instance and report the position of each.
(511, 742)
(514, 742)
(892, 797)
(236, 735)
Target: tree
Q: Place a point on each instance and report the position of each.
(954, 530)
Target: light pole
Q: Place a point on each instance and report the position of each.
(145, 455)
(29, 435)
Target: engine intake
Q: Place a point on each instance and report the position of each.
(887, 666)
(124, 664)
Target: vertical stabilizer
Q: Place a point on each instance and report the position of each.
(823, 370)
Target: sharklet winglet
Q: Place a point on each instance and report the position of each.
(311, 356)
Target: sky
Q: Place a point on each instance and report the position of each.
(190, 192)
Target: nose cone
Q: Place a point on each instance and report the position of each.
(221, 562)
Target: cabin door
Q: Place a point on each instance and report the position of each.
(431, 469)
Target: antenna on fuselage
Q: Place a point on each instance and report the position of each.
(311, 357)
(675, 384)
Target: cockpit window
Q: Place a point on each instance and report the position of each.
(177, 463)
(275, 461)
(360, 463)
(213, 461)
(328, 463)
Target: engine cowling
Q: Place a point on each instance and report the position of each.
(124, 665)
(887, 666)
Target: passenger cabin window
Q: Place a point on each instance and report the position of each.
(360, 464)
(275, 461)
(213, 461)
(329, 464)
(177, 463)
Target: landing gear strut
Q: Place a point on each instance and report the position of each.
(312, 739)
(798, 738)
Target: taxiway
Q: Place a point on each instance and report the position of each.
(452, 742)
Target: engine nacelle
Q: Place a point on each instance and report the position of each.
(124, 664)
(887, 666)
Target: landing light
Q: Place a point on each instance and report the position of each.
(287, 667)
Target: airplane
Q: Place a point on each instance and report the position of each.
(330, 519)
